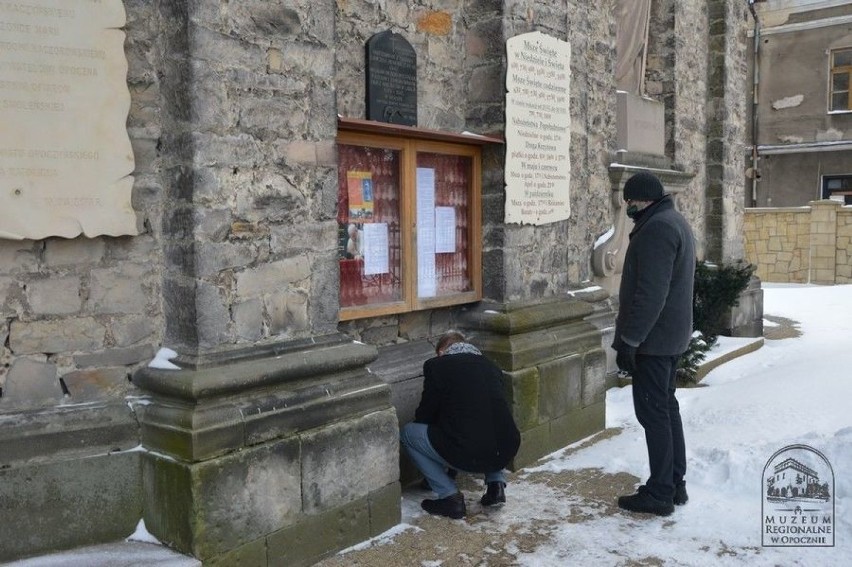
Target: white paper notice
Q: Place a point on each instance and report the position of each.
(426, 283)
(445, 229)
(375, 248)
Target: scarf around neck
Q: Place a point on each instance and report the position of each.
(462, 348)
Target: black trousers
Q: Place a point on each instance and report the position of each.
(658, 412)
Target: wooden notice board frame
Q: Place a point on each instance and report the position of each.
(461, 155)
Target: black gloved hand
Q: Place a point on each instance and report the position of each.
(625, 358)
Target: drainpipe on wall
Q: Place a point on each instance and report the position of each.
(756, 82)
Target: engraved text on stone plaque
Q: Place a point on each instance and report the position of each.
(538, 129)
(391, 79)
(65, 155)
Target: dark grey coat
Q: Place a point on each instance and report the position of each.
(470, 423)
(655, 298)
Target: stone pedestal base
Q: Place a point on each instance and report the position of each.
(68, 477)
(554, 363)
(244, 460)
(746, 318)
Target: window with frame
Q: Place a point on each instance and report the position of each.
(409, 219)
(837, 188)
(841, 78)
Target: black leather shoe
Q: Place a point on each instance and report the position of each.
(644, 503)
(680, 495)
(450, 507)
(495, 494)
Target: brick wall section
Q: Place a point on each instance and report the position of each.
(801, 245)
(777, 242)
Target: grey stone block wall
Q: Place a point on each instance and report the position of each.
(543, 261)
(85, 502)
(69, 477)
(249, 125)
(65, 299)
(468, 41)
(677, 75)
(697, 68)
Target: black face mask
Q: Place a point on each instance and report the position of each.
(633, 211)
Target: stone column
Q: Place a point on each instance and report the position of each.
(823, 243)
(548, 341)
(554, 366)
(272, 443)
(726, 127)
(278, 459)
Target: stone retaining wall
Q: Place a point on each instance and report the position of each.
(801, 245)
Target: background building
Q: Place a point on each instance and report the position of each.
(801, 126)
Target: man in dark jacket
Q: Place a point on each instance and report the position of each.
(463, 422)
(652, 331)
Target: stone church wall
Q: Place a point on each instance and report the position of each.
(233, 120)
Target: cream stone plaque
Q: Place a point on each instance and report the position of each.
(640, 124)
(65, 155)
(538, 129)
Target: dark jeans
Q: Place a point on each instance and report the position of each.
(659, 414)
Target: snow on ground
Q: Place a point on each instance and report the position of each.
(792, 391)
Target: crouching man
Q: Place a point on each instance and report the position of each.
(463, 422)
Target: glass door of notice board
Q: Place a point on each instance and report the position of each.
(368, 218)
(409, 228)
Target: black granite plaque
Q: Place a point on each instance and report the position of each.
(391, 79)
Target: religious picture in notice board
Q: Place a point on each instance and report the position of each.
(360, 186)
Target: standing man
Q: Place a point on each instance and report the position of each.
(463, 422)
(652, 331)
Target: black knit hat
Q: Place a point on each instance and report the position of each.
(643, 186)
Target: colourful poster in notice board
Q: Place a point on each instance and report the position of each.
(360, 185)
